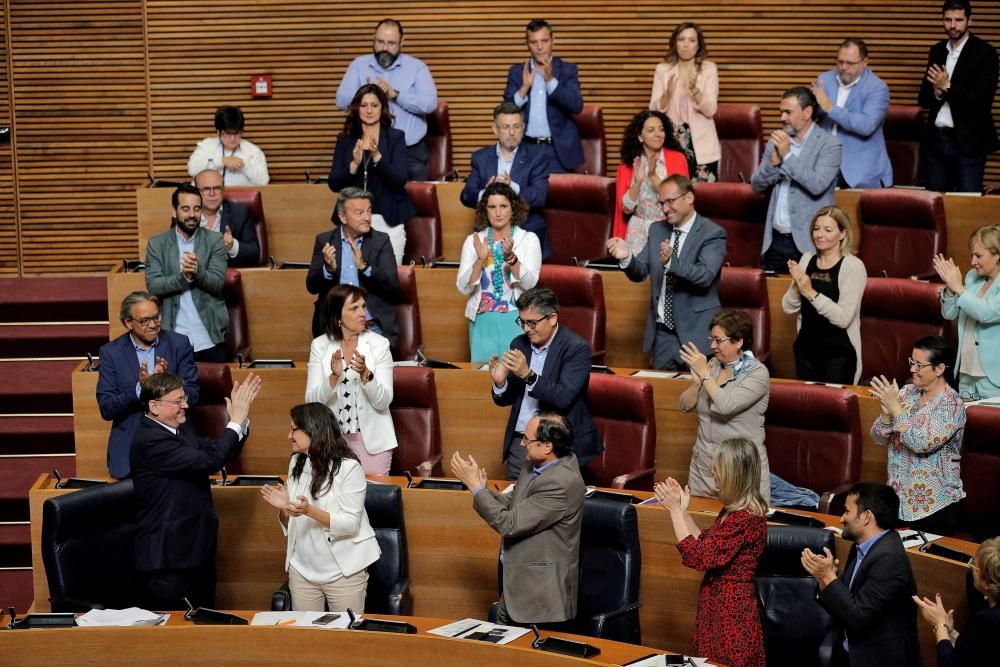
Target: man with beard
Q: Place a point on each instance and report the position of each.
(408, 84)
(186, 268)
(799, 166)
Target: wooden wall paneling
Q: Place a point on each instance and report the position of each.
(10, 251)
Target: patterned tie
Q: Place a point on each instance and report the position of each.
(668, 286)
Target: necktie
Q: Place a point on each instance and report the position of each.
(668, 285)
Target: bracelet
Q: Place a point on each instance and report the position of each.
(934, 628)
(512, 261)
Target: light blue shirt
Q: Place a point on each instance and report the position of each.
(349, 274)
(529, 404)
(146, 357)
(409, 77)
(188, 320)
(863, 549)
(504, 167)
(782, 218)
(538, 118)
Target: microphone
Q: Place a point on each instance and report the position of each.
(409, 479)
(350, 615)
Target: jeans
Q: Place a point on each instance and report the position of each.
(946, 169)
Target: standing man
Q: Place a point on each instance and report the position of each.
(539, 521)
(871, 601)
(546, 369)
(548, 91)
(799, 166)
(683, 257)
(523, 167)
(127, 361)
(958, 92)
(408, 84)
(232, 220)
(355, 254)
(186, 268)
(176, 525)
(853, 103)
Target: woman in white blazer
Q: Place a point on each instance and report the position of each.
(322, 513)
(350, 371)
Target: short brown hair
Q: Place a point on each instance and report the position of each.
(736, 324)
(336, 299)
(158, 385)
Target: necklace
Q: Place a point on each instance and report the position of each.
(496, 250)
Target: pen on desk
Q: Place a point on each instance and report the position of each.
(287, 621)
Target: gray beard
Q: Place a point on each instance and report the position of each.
(385, 59)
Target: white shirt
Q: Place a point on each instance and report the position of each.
(782, 219)
(842, 92)
(944, 117)
(685, 230)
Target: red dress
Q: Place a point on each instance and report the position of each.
(727, 628)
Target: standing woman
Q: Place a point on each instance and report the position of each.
(322, 513)
(499, 261)
(686, 88)
(350, 371)
(976, 304)
(727, 626)
(371, 155)
(827, 285)
(649, 154)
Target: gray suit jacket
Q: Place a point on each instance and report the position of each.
(696, 289)
(813, 173)
(540, 523)
(164, 279)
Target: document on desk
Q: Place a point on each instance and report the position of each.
(665, 660)
(484, 631)
(133, 616)
(914, 538)
(303, 619)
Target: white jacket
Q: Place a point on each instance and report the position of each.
(528, 251)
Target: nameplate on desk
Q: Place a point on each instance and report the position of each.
(51, 620)
(612, 495)
(383, 625)
(440, 484)
(790, 519)
(254, 480)
(293, 265)
(271, 363)
(946, 552)
(79, 483)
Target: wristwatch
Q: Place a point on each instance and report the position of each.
(530, 377)
(370, 376)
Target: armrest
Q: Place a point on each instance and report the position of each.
(400, 599)
(832, 502)
(281, 599)
(628, 480)
(426, 469)
(621, 625)
(930, 276)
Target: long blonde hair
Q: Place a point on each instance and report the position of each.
(737, 465)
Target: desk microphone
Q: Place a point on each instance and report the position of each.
(409, 479)
(225, 477)
(350, 615)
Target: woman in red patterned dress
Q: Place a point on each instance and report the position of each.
(727, 627)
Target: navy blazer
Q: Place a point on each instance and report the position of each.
(564, 103)
(386, 180)
(382, 285)
(561, 387)
(117, 377)
(176, 524)
(530, 171)
(244, 228)
(973, 86)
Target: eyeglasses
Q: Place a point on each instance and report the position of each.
(972, 563)
(232, 133)
(718, 341)
(293, 429)
(848, 63)
(918, 365)
(531, 324)
(211, 189)
(970, 395)
(671, 200)
(145, 322)
(178, 402)
(525, 440)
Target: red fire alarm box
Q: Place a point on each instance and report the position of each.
(260, 85)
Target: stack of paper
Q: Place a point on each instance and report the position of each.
(470, 628)
(304, 619)
(120, 618)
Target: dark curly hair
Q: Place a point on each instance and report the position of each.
(327, 447)
(632, 147)
(352, 124)
(519, 207)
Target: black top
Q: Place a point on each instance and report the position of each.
(818, 334)
(978, 644)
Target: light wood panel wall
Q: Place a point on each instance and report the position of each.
(101, 94)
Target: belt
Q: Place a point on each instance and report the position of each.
(660, 326)
(538, 140)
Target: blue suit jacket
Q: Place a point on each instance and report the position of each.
(530, 171)
(859, 124)
(563, 104)
(116, 380)
(244, 228)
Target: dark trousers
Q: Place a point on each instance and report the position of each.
(946, 169)
(555, 166)
(781, 250)
(942, 522)
(217, 354)
(416, 161)
(838, 369)
(165, 590)
(515, 457)
(667, 350)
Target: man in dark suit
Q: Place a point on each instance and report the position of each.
(683, 257)
(126, 361)
(548, 91)
(546, 369)
(958, 92)
(522, 166)
(355, 254)
(176, 525)
(871, 601)
(232, 220)
(539, 521)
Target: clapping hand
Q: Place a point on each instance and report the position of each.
(300, 508)
(695, 360)
(336, 366)
(276, 496)
(232, 163)
(507, 248)
(822, 98)
(189, 264)
(822, 567)
(670, 494)
(330, 257)
(949, 273)
(527, 78)
(887, 394)
(243, 396)
(934, 612)
(359, 261)
(618, 248)
(782, 145)
(481, 247)
(938, 76)
(802, 280)
(666, 251)
(498, 371)
(358, 365)
(515, 362)
(468, 471)
(227, 237)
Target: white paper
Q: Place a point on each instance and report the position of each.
(661, 661)
(911, 538)
(656, 374)
(499, 634)
(120, 618)
(302, 619)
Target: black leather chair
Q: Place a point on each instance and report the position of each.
(797, 630)
(388, 577)
(88, 547)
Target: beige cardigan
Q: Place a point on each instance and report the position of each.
(682, 109)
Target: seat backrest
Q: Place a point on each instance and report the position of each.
(904, 132)
(813, 435)
(590, 123)
(578, 213)
(741, 212)
(901, 231)
(895, 313)
(797, 630)
(980, 472)
(215, 384)
(741, 136)
(415, 417)
(238, 333)
(580, 293)
(88, 546)
(745, 289)
(625, 417)
(438, 140)
(423, 231)
(253, 200)
(407, 316)
(384, 506)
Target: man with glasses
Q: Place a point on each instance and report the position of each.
(142, 351)
(232, 220)
(239, 161)
(546, 369)
(683, 257)
(853, 103)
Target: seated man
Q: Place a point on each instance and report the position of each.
(232, 220)
(142, 351)
(539, 521)
(519, 165)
